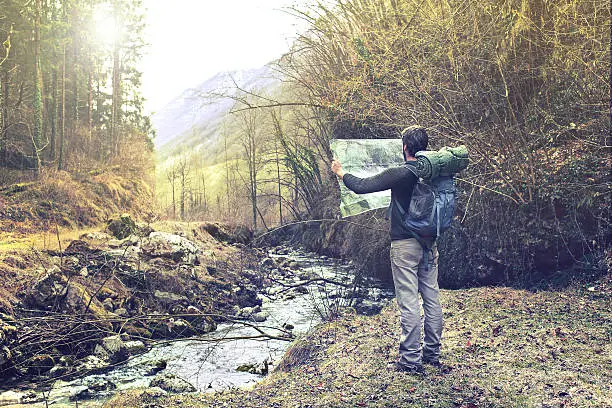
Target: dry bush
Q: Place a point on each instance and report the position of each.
(523, 84)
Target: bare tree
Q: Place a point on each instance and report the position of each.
(183, 169)
(171, 175)
(251, 141)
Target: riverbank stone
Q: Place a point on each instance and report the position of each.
(157, 366)
(79, 393)
(122, 226)
(260, 317)
(113, 349)
(10, 398)
(172, 246)
(172, 383)
(167, 297)
(267, 264)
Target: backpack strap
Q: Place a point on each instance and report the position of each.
(399, 206)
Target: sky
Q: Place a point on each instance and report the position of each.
(192, 40)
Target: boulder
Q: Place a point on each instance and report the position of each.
(172, 383)
(175, 247)
(137, 331)
(81, 392)
(8, 332)
(92, 363)
(113, 349)
(169, 298)
(238, 234)
(78, 300)
(101, 384)
(157, 366)
(39, 364)
(267, 264)
(135, 347)
(259, 369)
(260, 317)
(172, 328)
(10, 398)
(58, 371)
(71, 262)
(48, 289)
(121, 227)
(203, 323)
(247, 297)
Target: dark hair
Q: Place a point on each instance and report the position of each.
(415, 139)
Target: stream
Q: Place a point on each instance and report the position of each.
(210, 362)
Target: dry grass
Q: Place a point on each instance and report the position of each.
(509, 348)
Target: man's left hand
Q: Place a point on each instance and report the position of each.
(336, 167)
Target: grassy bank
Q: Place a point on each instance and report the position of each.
(507, 347)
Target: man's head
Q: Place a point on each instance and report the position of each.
(414, 139)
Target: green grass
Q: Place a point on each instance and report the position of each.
(507, 347)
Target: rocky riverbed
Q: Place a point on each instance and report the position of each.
(137, 296)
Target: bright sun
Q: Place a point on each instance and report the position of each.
(105, 26)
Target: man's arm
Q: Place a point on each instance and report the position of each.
(380, 182)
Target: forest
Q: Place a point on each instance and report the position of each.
(524, 85)
(114, 243)
(70, 98)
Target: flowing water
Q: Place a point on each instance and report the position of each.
(210, 362)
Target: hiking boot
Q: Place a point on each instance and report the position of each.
(434, 362)
(407, 368)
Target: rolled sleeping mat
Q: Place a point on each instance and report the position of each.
(425, 168)
(445, 162)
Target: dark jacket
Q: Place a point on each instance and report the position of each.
(400, 180)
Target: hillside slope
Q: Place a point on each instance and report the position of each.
(58, 198)
(506, 347)
(194, 118)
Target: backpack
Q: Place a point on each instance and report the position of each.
(432, 208)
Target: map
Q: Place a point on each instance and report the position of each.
(365, 158)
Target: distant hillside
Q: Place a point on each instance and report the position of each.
(193, 119)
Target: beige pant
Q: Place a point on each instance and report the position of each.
(411, 276)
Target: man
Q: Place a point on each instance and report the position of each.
(411, 275)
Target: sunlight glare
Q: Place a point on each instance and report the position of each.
(105, 26)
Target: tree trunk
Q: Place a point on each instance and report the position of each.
(90, 102)
(62, 119)
(227, 179)
(98, 119)
(278, 177)
(37, 139)
(116, 90)
(4, 102)
(204, 201)
(182, 195)
(173, 201)
(54, 111)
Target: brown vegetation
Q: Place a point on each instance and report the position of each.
(175, 282)
(523, 84)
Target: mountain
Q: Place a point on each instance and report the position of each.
(194, 118)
